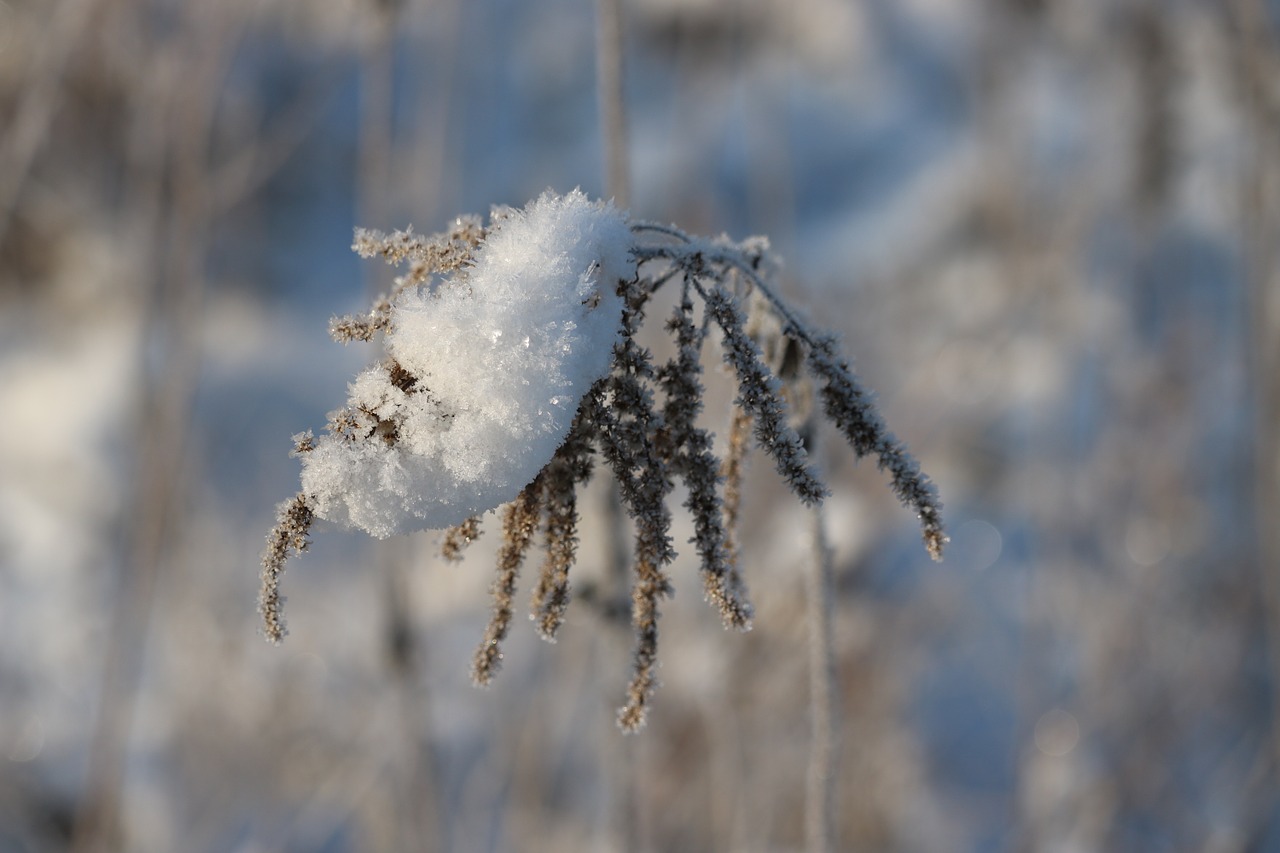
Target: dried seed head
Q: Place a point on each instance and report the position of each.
(587, 267)
(293, 523)
(570, 468)
(458, 537)
(518, 526)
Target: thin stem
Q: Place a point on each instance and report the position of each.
(377, 81)
(820, 780)
(659, 228)
(708, 253)
(623, 774)
(613, 113)
(1262, 351)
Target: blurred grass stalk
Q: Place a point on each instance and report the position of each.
(823, 736)
(176, 193)
(1257, 68)
(411, 787)
(185, 108)
(68, 22)
(621, 763)
(823, 754)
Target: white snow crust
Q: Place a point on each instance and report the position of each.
(503, 353)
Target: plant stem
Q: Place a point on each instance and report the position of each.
(823, 745)
(613, 113)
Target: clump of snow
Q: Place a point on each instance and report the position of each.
(485, 374)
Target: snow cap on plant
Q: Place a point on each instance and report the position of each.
(483, 377)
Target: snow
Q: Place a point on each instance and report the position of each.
(502, 354)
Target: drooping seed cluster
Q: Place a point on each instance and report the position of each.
(640, 418)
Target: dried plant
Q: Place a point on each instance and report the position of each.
(407, 436)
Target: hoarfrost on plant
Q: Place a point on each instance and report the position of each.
(506, 382)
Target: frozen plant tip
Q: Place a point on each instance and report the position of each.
(511, 367)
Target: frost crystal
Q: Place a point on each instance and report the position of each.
(485, 374)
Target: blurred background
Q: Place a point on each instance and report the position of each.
(1045, 229)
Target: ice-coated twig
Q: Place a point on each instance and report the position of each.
(293, 523)
(570, 468)
(693, 459)
(851, 409)
(733, 469)
(628, 425)
(518, 526)
(760, 393)
(844, 400)
(443, 252)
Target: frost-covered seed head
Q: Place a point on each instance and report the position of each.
(503, 381)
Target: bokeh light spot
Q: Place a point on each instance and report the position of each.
(1057, 733)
